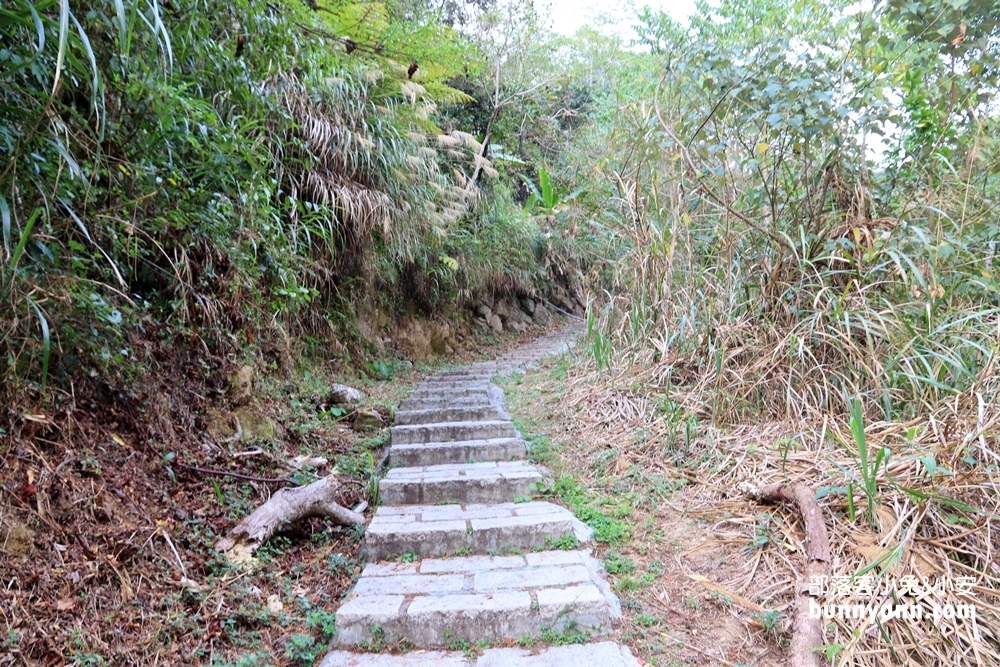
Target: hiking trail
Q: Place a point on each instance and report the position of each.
(459, 553)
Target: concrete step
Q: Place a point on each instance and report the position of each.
(603, 654)
(441, 530)
(469, 378)
(451, 431)
(435, 402)
(497, 482)
(452, 382)
(481, 370)
(462, 451)
(438, 415)
(440, 601)
(446, 385)
(447, 392)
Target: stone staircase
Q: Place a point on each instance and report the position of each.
(460, 554)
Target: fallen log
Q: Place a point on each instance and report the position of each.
(807, 632)
(286, 506)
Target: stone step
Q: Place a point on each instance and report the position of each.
(446, 382)
(481, 377)
(496, 482)
(441, 601)
(446, 392)
(435, 402)
(603, 654)
(451, 431)
(441, 530)
(480, 370)
(460, 388)
(462, 451)
(450, 383)
(438, 415)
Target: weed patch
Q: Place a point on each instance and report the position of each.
(587, 506)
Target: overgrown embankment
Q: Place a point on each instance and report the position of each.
(707, 573)
(233, 178)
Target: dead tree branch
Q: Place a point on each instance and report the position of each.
(807, 632)
(288, 506)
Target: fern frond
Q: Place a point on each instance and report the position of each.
(445, 94)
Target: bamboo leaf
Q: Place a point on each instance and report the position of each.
(95, 78)
(46, 343)
(122, 30)
(161, 29)
(83, 228)
(71, 162)
(25, 233)
(63, 39)
(5, 220)
(39, 28)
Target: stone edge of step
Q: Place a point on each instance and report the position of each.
(518, 466)
(583, 533)
(556, 656)
(594, 567)
(451, 453)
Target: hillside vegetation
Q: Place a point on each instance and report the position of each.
(233, 173)
(783, 216)
(796, 204)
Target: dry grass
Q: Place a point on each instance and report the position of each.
(631, 432)
(840, 350)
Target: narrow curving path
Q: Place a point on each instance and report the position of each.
(461, 556)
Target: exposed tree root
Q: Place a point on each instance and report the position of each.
(807, 632)
(287, 506)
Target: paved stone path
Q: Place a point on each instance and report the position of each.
(460, 553)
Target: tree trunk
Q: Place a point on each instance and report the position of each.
(484, 151)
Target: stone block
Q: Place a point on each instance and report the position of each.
(451, 432)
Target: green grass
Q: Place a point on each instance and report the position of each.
(260, 659)
(377, 642)
(630, 583)
(589, 508)
(570, 635)
(408, 557)
(601, 514)
(646, 621)
(618, 564)
(302, 649)
(564, 543)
